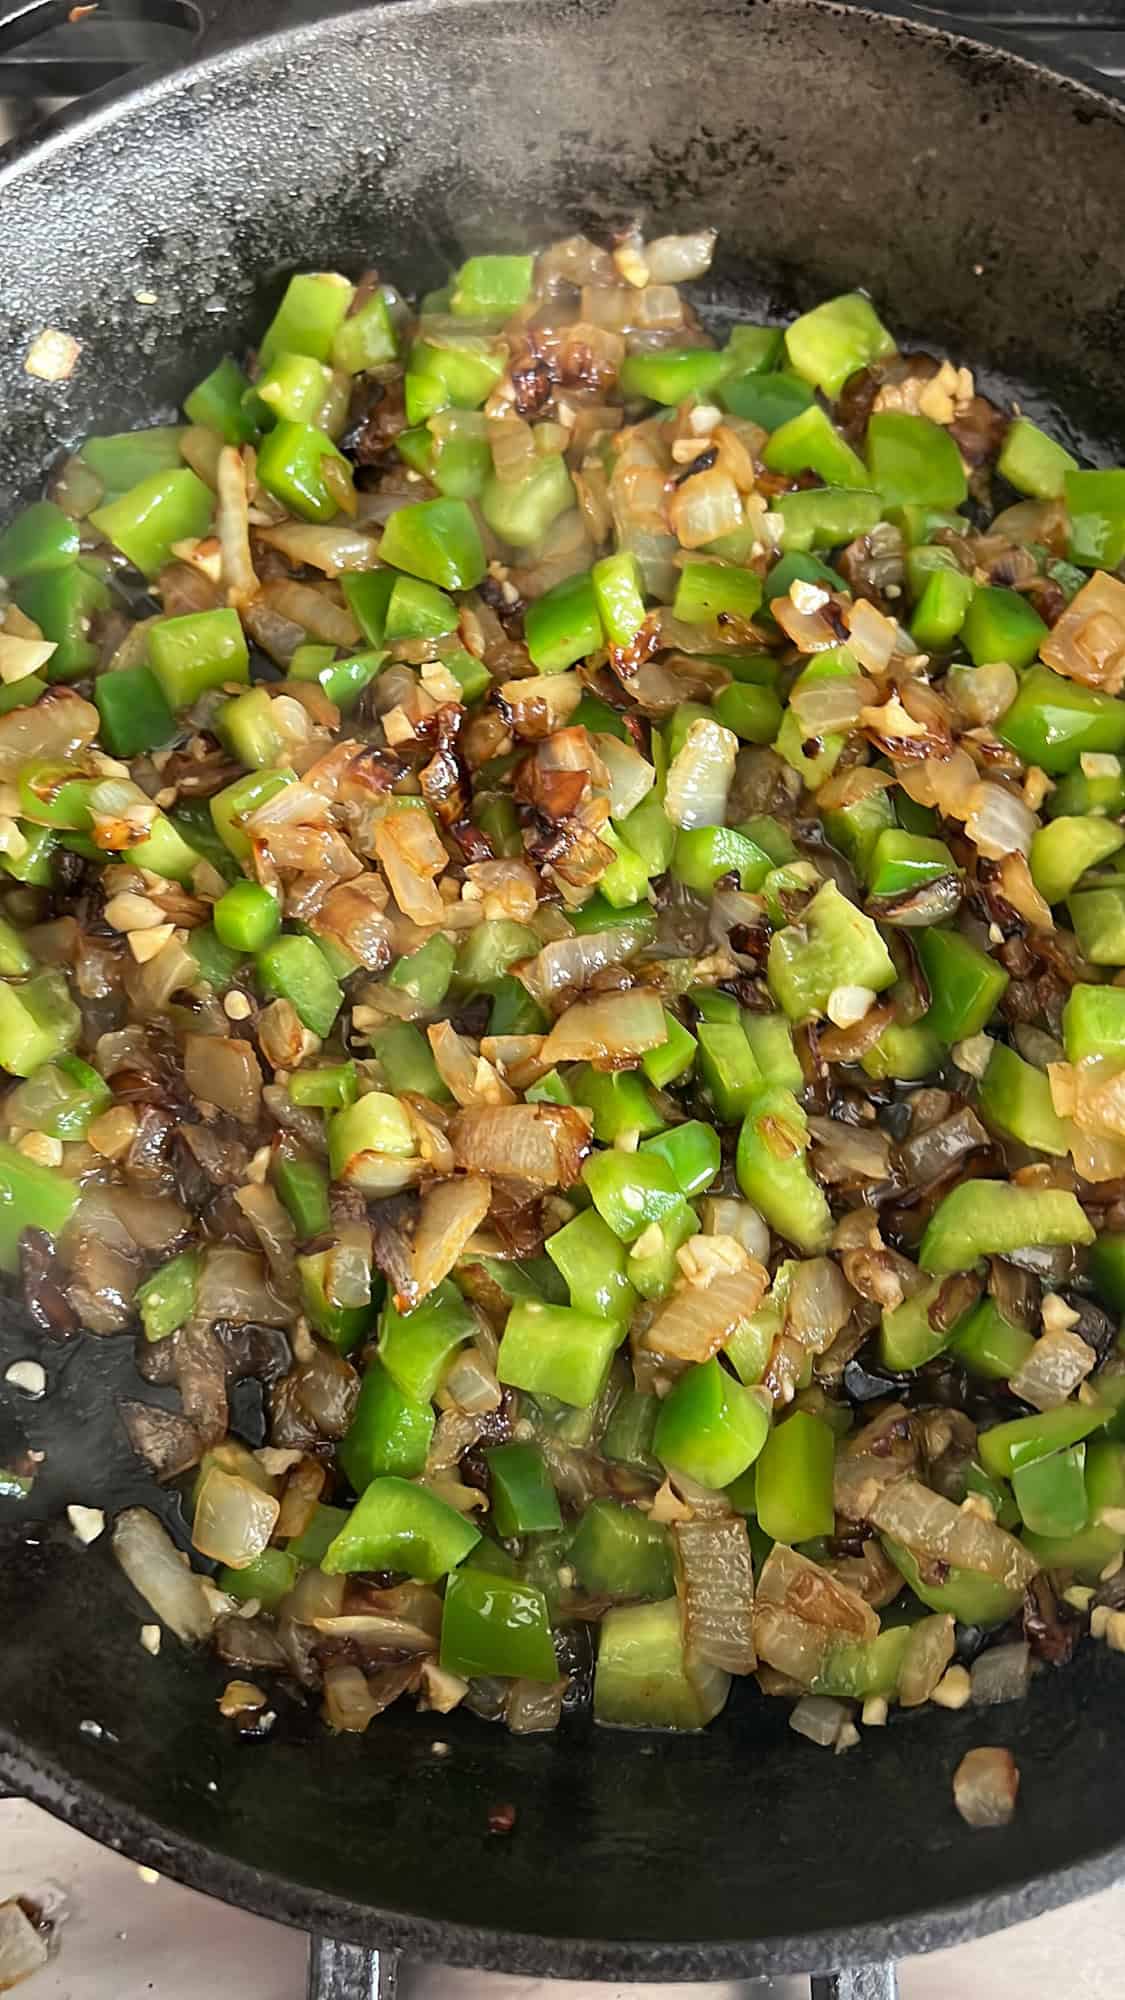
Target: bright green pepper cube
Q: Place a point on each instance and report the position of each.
(367, 594)
(764, 397)
(652, 1265)
(38, 1020)
(913, 462)
(728, 1069)
(302, 1187)
(1095, 503)
(619, 595)
(491, 948)
(144, 523)
(343, 681)
(557, 1351)
(1016, 1097)
(474, 680)
(135, 714)
(167, 1298)
(290, 466)
(496, 1625)
(625, 880)
(901, 862)
(991, 1219)
(1062, 851)
(1077, 796)
(755, 349)
(388, 1433)
(693, 1152)
(592, 1262)
(365, 339)
(247, 726)
(217, 403)
(754, 713)
(309, 1547)
(619, 1100)
(1033, 463)
(671, 373)
(461, 375)
(1051, 1492)
(296, 389)
(673, 1058)
(987, 1344)
(437, 540)
(824, 516)
(416, 1347)
(63, 603)
(1002, 625)
(834, 945)
(711, 593)
(375, 1124)
(941, 609)
(1004, 1447)
(810, 442)
(312, 307)
(835, 339)
(966, 986)
(293, 969)
(907, 1339)
(15, 958)
(793, 1479)
(217, 965)
(524, 1501)
(644, 1679)
(773, 1174)
(513, 1010)
(267, 1579)
(40, 538)
(50, 795)
(1098, 917)
(395, 1525)
(203, 649)
(31, 1197)
(771, 1044)
(407, 1061)
(618, 1552)
(491, 287)
(521, 511)
(418, 610)
(966, 1594)
(122, 460)
(1053, 720)
(710, 1426)
(1094, 1022)
(425, 974)
(247, 917)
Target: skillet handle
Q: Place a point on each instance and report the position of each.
(857, 1982)
(350, 1972)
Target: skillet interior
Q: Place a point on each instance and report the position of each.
(978, 201)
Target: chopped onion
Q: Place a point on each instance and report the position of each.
(1001, 1674)
(801, 1612)
(928, 1653)
(52, 729)
(370, 1631)
(348, 1265)
(224, 1071)
(471, 1384)
(607, 1030)
(674, 260)
(1058, 1362)
(471, 1079)
(232, 525)
(234, 1519)
(820, 1300)
(232, 1285)
(24, 1948)
(412, 855)
(571, 963)
(700, 775)
(631, 776)
(162, 1575)
(542, 1143)
(998, 822)
(698, 1320)
(333, 549)
(982, 697)
(1088, 642)
(872, 637)
(821, 1720)
(540, 703)
(805, 623)
(986, 1785)
(715, 1583)
(534, 1706)
(449, 1214)
(724, 1215)
(308, 606)
(933, 1527)
(348, 1702)
(705, 506)
(824, 707)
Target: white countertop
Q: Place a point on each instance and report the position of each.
(121, 1937)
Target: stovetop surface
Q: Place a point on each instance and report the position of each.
(122, 1934)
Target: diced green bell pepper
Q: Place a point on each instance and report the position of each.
(31, 1197)
(64, 603)
(1098, 916)
(905, 1053)
(417, 1347)
(1095, 503)
(966, 986)
(60, 1099)
(1004, 1447)
(693, 1152)
(989, 1345)
(293, 969)
(913, 462)
(344, 1326)
(524, 1501)
(645, 1680)
(710, 1426)
(437, 540)
(168, 507)
(771, 1044)
(135, 714)
(557, 1351)
(1002, 625)
(1093, 1022)
(496, 1625)
(218, 403)
(965, 1594)
(766, 398)
(793, 1479)
(835, 339)
(42, 537)
(834, 945)
(1062, 851)
(234, 804)
(629, 1191)
(203, 649)
(312, 307)
(1051, 1492)
(669, 374)
(247, 917)
(991, 1219)
(907, 1339)
(810, 442)
(395, 1525)
(708, 593)
(407, 1061)
(290, 466)
(652, 1265)
(38, 1021)
(365, 339)
(773, 1173)
(1032, 462)
(302, 1187)
(1053, 720)
(1016, 1097)
(388, 1432)
(941, 610)
(673, 1058)
(592, 1262)
(618, 1552)
(901, 862)
(754, 713)
(727, 1069)
(822, 517)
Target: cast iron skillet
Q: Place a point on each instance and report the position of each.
(978, 197)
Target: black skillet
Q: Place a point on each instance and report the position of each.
(978, 197)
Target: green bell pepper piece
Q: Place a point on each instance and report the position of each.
(367, 594)
(302, 1187)
(710, 1426)
(1052, 721)
(60, 1099)
(1095, 502)
(965, 1594)
(754, 713)
(755, 349)
(834, 945)
(290, 461)
(855, 829)
(901, 862)
(122, 460)
(764, 397)
(388, 1432)
(21, 694)
(709, 592)
(592, 1262)
(857, 1670)
(1051, 1492)
(1107, 1269)
(941, 610)
(461, 375)
(670, 374)
(491, 948)
(793, 1479)
(727, 1069)
(513, 1010)
(491, 287)
(15, 958)
(135, 714)
(247, 727)
(293, 969)
(1002, 625)
(630, 1190)
(1004, 1447)
(375, 1123)
(654, 1270)
(425, 974)
(904, 1053)
(40, 538)
(1098, 916)
(418, 610)
(524, 1501)
(417, 1347)
(397, 1526)
(989, 1345)
(218, 403)
(824, 516)
(1032, 462)
(966, 986)
(810, 442)
(203, 649)
(496, 1625)
(673, 1058)
(1016, 1097)
(327, 1086)
(692, 1151)
(51, 795)
(816, 765)
(64, 603)
(913, 462)
(343, 681)
(643, 1678)
(1093, 1022)
(217, 965)
(771, 1045)
(835, 339)
(309, 1547)
(1062, 851)
(557, 1351)
(246, 918)
(312, 308)
(907, 1340)
(407, 1062)
(619, 594)
(165, 508)
(991, 1219)
(38, 1021)
(629, 1433)
(773, 1174)
(521, 511)
(295, 389)
(344, 1326)
(31, 1197)
(618, 1552)
(365, 339)
(267, 1579)
(234, 804)
(437, 540)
